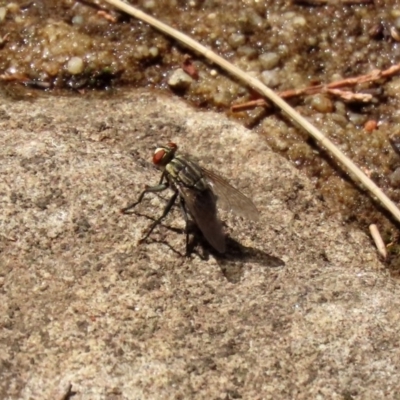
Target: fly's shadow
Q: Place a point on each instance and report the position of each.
(159, 224)
(232, 262)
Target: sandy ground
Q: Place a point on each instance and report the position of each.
(299, 307)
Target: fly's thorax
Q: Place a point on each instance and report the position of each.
(187, 173)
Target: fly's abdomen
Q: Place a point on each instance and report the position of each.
(186, 173)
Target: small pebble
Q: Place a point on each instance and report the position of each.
(370, 125)
(395, 34)
(321, 103)
(179, 79)
(236, 40)
(395, 178)
(271, 78)
(392, 88)
(77, 20)
(394, 140)
(396, 23)
(153, 51)
(246, 51)
(149, 4)
(269, 60)
(75, 65)
(299, 20)
(357, 119)
(13, 7)
(3, 13)
(222, 99)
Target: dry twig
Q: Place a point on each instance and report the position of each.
(334, 88)
(376, 236)
(332, 2)
(249, 105)
(107, 16)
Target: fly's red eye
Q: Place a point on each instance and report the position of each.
(158, 156)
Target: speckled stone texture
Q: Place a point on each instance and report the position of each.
(299, 307)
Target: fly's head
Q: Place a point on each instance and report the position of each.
(164, 154)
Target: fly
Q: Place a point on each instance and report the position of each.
(198, 191)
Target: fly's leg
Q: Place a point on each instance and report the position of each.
(151, 189)
(186, 218)
(167, 209)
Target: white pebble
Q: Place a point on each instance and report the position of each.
(269, 60)
(3, 12)
(75, 65)
(270, 78)
(179, 79)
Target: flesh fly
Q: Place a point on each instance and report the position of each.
(198, 191)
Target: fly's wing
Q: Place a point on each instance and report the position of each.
(230, 198)
(203, 209)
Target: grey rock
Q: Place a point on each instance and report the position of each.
(299, 307)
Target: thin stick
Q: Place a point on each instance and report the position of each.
(334, 88)
(372, 76)
(376, 236)
(249, 105)
(324, 2)
(264, 90)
